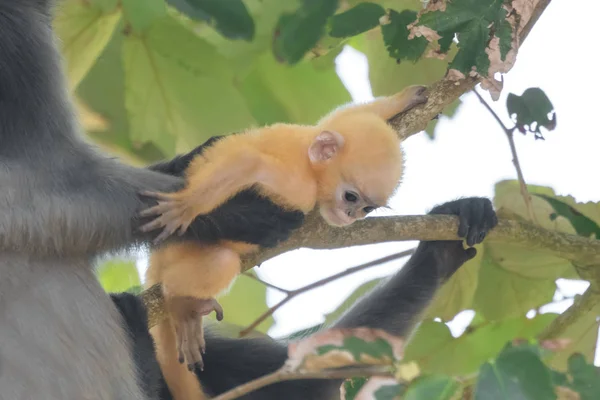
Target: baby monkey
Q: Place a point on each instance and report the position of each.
(348, 164)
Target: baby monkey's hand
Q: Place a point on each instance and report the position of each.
(172, 211)
(186, 312)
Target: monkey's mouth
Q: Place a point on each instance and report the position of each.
(336, 216)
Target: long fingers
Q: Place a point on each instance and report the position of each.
(195, 342)
(179, 332)
(160, 208)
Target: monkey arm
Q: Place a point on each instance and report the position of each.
(212, 183)
(246, 217)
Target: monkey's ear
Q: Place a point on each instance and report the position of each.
(325, 146)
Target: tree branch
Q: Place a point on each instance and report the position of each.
(267, 284)
(293, 293)
(513, 149)
(581, 308)
(283, 375)
(316, 234)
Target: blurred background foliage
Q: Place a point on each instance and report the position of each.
(153, 78)
(150, 81)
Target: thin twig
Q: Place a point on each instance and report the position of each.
(283, 375)
(267, 284)
(293, 293)
(513, 149)
(506, 129)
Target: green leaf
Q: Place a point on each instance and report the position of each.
(351, 387)
(388, 392)
(526, 262)
(432, 387)
(103, 91)
(395, 4)
(504, 33)
(431, 346)
(502, 293)
(583, 333)
(531, 111)
(472, 22)
(358, 347)
(137, 289)
(178, 86)
(118, 275)
(141, 14)
(299, 32)
(245, 302)
(517, 374)
(434, 349)
(229, 17)
(84, 30)
(584, 377)
(105, 5)
(375, 388)
(395, 37)
(268, 85)
(583, 225)
(358, 19)
(243, 54)
(337, 348)
(508, 199)
(472, 43)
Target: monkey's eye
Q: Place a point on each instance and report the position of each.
(368, 209)
(351, 197)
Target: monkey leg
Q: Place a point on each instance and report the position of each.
(186, 315)
(191, 276)
(390, 106)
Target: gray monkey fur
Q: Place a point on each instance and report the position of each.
(61, 204)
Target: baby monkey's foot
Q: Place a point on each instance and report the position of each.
(186, 313)
(415, 95)
(172, 213)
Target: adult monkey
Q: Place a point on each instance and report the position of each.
(61, 204)
(394, 306)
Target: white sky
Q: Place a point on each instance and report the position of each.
(469, 155)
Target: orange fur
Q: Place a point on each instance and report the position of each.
(274, 158)
(182, 384)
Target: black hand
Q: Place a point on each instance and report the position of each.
(476, 218)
